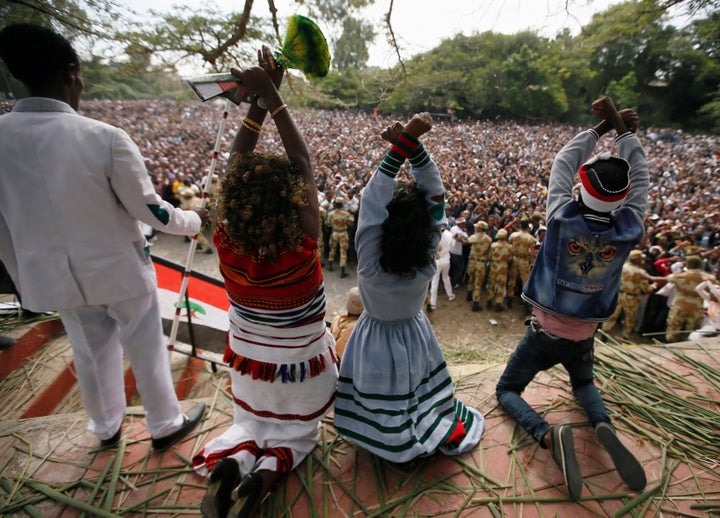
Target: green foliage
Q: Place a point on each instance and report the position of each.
(215, 39)
(624, 92)
(362, 89)
(73, 18)
(485, 75)
(351, 48)
(711, 111)
(101, 83)
(670, 75)
(532, 87)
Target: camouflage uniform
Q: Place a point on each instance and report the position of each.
(477, 262)
(634, 283)
(188, 201)
(500, 256)
(686, 311)
(213, 202)
(523, 250)
(339, 220)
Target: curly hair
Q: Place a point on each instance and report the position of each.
(407, 232)
(261, 195)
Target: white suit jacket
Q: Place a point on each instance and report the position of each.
(72, 190)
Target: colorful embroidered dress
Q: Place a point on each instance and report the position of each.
(281, 355)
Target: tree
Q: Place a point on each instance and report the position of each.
(216, 39)
(487, 74)
(622, 44)
(624, 92)
(351, 48)
(694, 75)
(711, 110)
(73, 18)
(571, 59)
(533, 89)
(672, 74)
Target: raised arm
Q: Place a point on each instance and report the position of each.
(621, 121)
(264, 81)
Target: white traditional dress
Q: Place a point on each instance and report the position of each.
(281, 355)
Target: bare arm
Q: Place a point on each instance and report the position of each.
(265, 82)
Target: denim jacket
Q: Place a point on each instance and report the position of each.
(577, 271)
(578, 268)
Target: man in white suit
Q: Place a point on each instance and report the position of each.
(72, 190)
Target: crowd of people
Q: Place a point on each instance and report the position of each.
(495, 172)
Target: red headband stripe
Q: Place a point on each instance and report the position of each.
(592, 191)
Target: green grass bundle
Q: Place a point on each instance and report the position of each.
(305, 48)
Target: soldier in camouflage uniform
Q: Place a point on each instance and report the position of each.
(523, 252)
(500, 256)
(189, 201)
(213, 201)
(634, 283)
(477, 262)
(339, 220)
(686, 311)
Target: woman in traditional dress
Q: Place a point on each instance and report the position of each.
(281, 356)
(395, 396)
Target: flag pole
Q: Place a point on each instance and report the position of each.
(193, 242)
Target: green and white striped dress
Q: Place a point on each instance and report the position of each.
(395, 395)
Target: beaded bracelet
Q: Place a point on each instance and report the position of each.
(278, 110)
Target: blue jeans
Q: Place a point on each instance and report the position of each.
(538, 352)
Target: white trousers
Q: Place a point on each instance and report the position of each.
(443, 270)
(99, 335)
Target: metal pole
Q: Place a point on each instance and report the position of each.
(193, 242)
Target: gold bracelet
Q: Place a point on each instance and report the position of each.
(251, 128)
(277, 110)
(252, 123)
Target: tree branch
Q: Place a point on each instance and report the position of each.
(393, 40)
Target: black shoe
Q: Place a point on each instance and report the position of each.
(428, 308)
(343, 273)
(499, 308)
(629, 468)
(488, 304)
(221, 481)
(208, 251)
(330, 266)
(468, 297)
(476, 306)
(6, 342)
(190, 420)
(510, 303)
(246, 495)
(106, 444)
(563, 453)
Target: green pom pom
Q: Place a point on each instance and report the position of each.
(305, 48)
